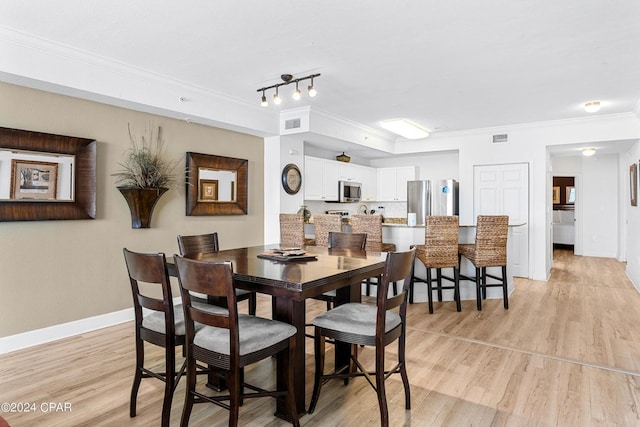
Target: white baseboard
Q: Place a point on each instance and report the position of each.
(65, 330)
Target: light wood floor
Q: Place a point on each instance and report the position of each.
(566, 353)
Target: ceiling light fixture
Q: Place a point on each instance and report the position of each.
(406, 128)
(264, 102)
(592, 106)
(297, 93)
(286, 80)
(590, 151)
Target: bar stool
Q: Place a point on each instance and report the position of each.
(489, 250)
(440, 250)
(292, 231)
(372, 226)
(323, 224)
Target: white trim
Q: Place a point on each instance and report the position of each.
(64, 330)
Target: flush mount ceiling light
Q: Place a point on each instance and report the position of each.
(592, 106)
(590, 151)
(286, 80)
(406, 128)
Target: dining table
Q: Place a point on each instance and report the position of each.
(291, 282)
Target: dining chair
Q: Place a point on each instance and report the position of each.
(207, 243)
(340, 240)
(372, 226)
(323, 224)
(229, 341)
(440, 250)
(489, 250)
(360, 324)
(163, 327)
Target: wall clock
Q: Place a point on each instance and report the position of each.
(291, 179)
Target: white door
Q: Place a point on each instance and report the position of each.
(504, 190)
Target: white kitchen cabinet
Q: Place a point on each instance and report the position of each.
(349, 172)
(320, 179)
(369, 184)
(392, 183)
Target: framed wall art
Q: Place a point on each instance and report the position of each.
(32, 180)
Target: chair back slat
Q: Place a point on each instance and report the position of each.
(201, 243)
(323, 224)
(372, 226)
(347, 240)
(292, 230)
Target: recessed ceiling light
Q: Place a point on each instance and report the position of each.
(590, 151)
(406, 128)
(592, 106)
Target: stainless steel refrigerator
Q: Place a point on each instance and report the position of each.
(432, 198)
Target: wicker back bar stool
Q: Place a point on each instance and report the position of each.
(292, 230)
(372, 226)
(440, 250)
(489, 250)
(323, 224)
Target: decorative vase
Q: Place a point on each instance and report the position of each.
(141, 202)
(306, 212)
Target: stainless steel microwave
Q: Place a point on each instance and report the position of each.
(349, 191)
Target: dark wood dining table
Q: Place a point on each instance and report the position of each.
(291, 283)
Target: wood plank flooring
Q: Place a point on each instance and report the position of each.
(566, 353)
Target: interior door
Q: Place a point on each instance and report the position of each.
(504, 190)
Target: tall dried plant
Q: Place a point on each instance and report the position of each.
(145, 166)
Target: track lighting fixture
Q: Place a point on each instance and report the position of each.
(288, 79)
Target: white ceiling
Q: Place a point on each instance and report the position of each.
(448, 65)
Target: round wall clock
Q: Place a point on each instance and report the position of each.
(291, 178)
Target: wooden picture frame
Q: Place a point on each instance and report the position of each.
(198, 167)
(83, 203)
(556, 195)
(633, 184)
(208, 190)
(32, 180)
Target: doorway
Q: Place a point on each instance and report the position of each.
(564, 218)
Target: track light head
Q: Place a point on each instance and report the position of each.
(312, 91)
(264, 102)
(297, 93)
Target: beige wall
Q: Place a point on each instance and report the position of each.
(52, 272)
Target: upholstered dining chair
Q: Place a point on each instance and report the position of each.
(323, 224)
(229, 341)
(163, 327)
(372, 226)
(489, 250)
(369, 325)
(207, 243)
(440, 250)
(340, 240)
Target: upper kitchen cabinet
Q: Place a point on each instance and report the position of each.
(349, 172)
(320, 179)
(392, 183)
(369, 184)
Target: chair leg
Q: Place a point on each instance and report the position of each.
(191, 387)
(395, 288)
(403, 369)
(233, 384)
(252, 304)
(505, 291)
(429, 291)
(382, 398)
(368, 287)
(137, 377)
(319, 358)
(170, 378)
(456, 288)
(483, 271)
(478, 289)
(328, 305)
(439, 283)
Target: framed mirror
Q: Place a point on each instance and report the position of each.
(216, 185)
(46, 177)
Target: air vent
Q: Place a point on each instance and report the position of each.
(292, 124)
(500, 138)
